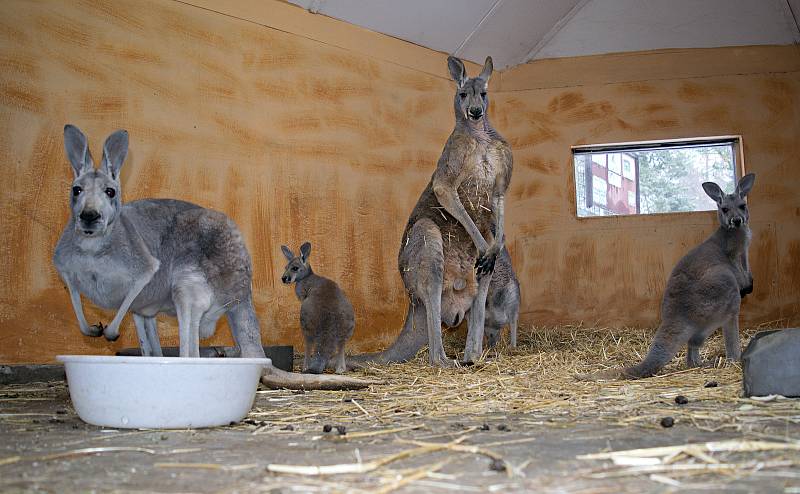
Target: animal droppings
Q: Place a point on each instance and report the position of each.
(667, 422)
(681, 400)
(711, 384)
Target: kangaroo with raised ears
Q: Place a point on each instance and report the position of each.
(448, 251)
(705, 289)
(155, 256)
(326, 315)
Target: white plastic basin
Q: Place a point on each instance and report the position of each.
(162, 392)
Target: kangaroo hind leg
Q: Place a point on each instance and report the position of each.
(475, 321)
(730, 332)
(423, 257)
(192, 297)
(147, 331)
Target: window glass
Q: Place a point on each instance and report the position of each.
(652, 178)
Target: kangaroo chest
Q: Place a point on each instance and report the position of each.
(478, 177)
(103, 281)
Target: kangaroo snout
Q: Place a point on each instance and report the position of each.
(89, 215)
(737, 221)
(476, 112)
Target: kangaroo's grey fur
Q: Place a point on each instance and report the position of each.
(160, 256)
(502, 301)
(705, 289)
(151, 256)
(449, 232)
(326, 315)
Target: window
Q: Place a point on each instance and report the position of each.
(652, 177)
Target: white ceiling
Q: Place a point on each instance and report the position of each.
(517, 31)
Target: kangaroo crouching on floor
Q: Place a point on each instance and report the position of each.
(450, 231)
(704, 290)
(326, 315)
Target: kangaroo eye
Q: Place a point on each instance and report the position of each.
(724, 210)
(76, 191)
(294, 268)
(463, 95)
(110, 192)
(483, 94)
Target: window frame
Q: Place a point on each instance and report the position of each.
(734, 140)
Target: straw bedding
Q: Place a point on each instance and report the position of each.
(422, 421)
(537, 380)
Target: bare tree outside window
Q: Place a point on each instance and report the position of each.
(651, 177)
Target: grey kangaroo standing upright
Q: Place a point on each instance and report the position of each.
(502, 301)
(151, 256)
(705, 289)
(326, 315)
(449, 232)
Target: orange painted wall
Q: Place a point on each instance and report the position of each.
(548, 106)
(304, 128)
(321, 136)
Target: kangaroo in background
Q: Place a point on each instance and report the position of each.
(449, 233)
(326, 315)
(705, 289)
(502, 301)
(157, 256)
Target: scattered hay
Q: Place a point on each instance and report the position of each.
(533, 385)
(537, 381)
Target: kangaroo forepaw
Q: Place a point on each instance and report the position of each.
(95, 330)
(485, 263)
(111, 335)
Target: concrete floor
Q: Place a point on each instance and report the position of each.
(37, 421)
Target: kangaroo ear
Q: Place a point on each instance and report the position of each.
(114, 151)
(713, 191)
(305, 251)
(77, 150)
(287, 253)
(745, 184)
(457, 70)
(486, 73)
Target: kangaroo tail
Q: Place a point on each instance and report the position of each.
(275, 378)
(412, 338)
(660, 353)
